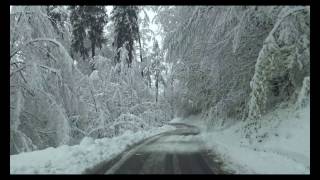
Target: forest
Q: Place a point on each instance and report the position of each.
(80, 75)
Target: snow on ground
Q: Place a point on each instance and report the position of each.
(286, 149)
(75, 159)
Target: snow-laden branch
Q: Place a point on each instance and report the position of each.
(286, 14)
(50, 69)
(17, 70)
(34, 41)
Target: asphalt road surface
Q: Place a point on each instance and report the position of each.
(176, 152)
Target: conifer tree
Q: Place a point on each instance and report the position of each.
(88, 23)
(126, 30)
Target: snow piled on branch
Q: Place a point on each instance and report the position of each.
(283, 62)
(75, 159)
(52, 103)
(44, 89)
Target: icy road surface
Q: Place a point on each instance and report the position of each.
(176, 152)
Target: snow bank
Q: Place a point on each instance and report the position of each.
(75, 159)
(286, 149)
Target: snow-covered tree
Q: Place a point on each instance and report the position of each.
(41, 83)
(208, 62)
(282, 65)
(216, 51)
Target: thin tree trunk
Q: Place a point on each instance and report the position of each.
(140, 52)
(93, 48)
(130, 49)
(140, 47)
(172, 108)
(157, 87)
(94, 100)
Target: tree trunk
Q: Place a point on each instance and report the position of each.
(93, 48)
(172, 108)
(130, 49)
(140, 47)
(140, 51)
(157, 87)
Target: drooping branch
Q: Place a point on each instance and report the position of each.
(17, 70)
(24, 79)
(34, 41)
(47, 53)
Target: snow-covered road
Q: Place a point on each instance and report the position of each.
(176, 152)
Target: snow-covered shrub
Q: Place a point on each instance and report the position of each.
(128, 122)
(43, 72)
(226, 110)
(52, 100)
(283, 62)
(118, 100)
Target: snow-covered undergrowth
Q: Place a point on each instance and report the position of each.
(75, 159)
(282, 64)
(285, 149)
(55, 101)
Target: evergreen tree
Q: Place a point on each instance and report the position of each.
(156, 66)
(145, 35)
(96, 19)
(87, 22)
(78, 31)
(126, 29)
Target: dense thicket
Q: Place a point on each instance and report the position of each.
(235, 63)
(53, 103)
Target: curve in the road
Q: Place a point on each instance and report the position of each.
(175, 152)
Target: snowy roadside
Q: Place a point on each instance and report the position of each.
(286, 149)
(75, 159)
